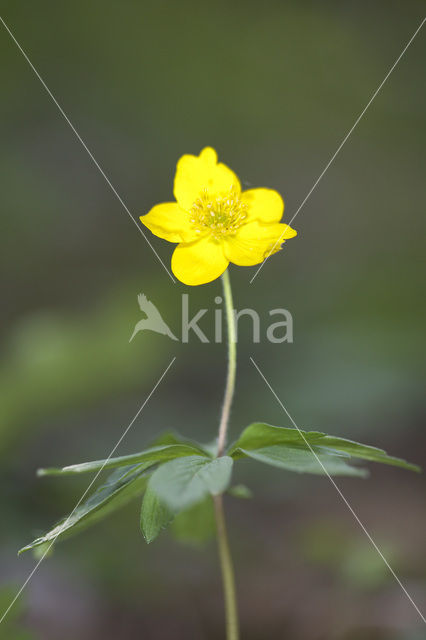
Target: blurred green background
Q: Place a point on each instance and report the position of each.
(274, 87)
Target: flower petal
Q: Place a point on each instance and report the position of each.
(256, 241)
(265, 205)
(167, 220)
(199, 262)
(195, 173)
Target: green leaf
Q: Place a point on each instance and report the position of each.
(196, 525)
(287, 448)
(42, 551)
(240, 491)
(152, 455)
(210, 448)
(183, 482)
(173, 437)
(120, 487)
(155, 515)
(303, 461)
(167, 437)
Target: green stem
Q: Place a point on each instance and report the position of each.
(231, 609)
(232, 364)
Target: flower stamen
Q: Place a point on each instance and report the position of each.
(222, 215)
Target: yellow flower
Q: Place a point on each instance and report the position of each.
(216, 223)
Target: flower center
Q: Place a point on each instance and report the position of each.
(222, 215)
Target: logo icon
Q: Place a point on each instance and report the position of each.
(276, 332)
(153, 320)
